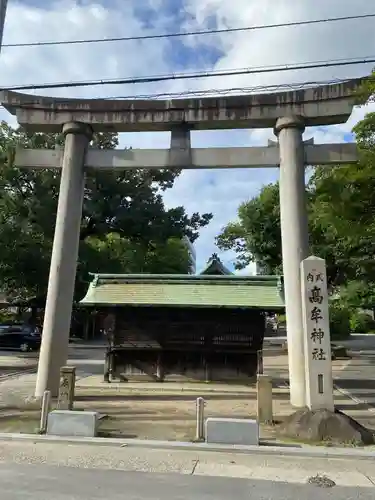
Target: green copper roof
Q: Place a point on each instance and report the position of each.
(263, 292)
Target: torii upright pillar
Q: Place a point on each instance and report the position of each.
(57, 318)
(295, 245)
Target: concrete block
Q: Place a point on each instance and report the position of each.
(72, 423)
(232, 431)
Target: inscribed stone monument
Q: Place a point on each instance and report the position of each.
(66, 390)
(318, 363)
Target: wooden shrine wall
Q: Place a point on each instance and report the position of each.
(197, 344)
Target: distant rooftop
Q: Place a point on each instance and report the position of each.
(214, 266)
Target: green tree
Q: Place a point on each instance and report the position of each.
(114, 254)
(123, 212)
(366, 93)
(256, 236)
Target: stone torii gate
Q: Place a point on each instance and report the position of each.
(288, 113)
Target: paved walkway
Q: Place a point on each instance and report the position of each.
(280, 469)
(17, 392)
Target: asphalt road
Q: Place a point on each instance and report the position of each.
(357, 376)
(88, 360)
(43, 482)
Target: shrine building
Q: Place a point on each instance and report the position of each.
(206, 327)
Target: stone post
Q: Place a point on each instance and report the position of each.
(107, 367)
(160, 374)
(264, 399)
(260, 366)
(66, 390)
(46, 403)
(295, 245)
(207, 369)
(57, 318)
(199, 427)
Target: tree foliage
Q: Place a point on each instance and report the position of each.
(257, 218)
(125, 224)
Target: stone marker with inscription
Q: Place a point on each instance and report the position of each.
(66, 390)
(318, 363)
(319, 421)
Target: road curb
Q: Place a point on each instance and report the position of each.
(124, 391)
(266, 448)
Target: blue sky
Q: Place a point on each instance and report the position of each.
(222, 191)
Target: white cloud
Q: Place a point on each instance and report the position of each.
(70, 20)
(216, 191)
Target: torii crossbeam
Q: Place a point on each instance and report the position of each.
(196, 158)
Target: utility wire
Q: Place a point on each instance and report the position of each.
(218, 91)
(213, 92)
(190, 33)
(231, 90)
(189, 76)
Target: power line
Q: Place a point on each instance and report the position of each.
(230, 91)
(219, 91)
(190, 33)
(189, 76)
(213, 92)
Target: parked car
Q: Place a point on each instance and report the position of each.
(19, 336)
